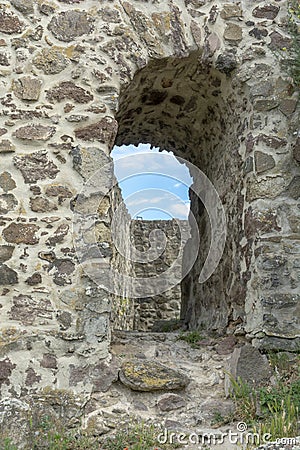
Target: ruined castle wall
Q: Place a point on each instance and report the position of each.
(165, 306)
(199, 78)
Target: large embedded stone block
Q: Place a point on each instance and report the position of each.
(148, 376)
(35, 133)
(21, 233)
(69, 25)
(103, 131)
(36, 166)
(263, 162)
(27, 88)
(10, 23)
(233, 32)
(69, 90)
(41, 204)
(248, 364)
(231, 10)
(6, 146)
(266, 12)
(27, 310)
(51, 61)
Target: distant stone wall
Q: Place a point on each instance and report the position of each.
(142, 313)
(200, 78)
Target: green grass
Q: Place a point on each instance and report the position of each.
(271, 409)
(136, 436)
(6, 444)
(49, 434)
(191, 337)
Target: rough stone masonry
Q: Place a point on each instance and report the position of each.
(201, 78)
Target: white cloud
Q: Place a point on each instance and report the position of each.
(133, 167)
(159, 200)
(154, 163)
(180, 210)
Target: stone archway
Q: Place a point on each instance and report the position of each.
(211, 89)
(190, 108)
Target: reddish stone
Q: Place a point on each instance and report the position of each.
(32, 377)
(9, 23)
(35, 133)
(104, 131)
(278, 41)
(64, 266)
(250, 141)
(266, 12)
(6, 368)
(69, 25)
(227, 345)
(264, 221)
(49, 361)
(20, 233)
(36, 166)
(69, 90)
(60, 191)
(26, 310)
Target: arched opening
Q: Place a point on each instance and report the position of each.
(184, 106)
(154, 188)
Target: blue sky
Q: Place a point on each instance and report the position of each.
(154, 184)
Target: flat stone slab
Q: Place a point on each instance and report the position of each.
(148, 376)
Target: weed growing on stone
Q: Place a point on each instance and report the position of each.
(245, 398)
(271, 409)
(136, 436)
(49, 434)
(191, 337)
(6, 444)
(219, 419)
(279, 361)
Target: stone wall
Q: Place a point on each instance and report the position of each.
(196, 77)
(140, 314)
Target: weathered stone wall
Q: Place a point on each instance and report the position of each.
(197, 77)
(140, 314)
